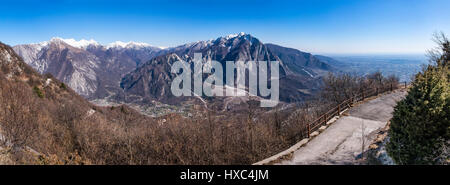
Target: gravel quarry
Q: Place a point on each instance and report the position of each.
(344, 140)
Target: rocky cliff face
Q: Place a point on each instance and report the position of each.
(91, 69)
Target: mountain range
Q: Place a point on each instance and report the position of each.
(137, 72)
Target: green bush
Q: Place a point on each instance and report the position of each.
(63, 86)
(420, 126)
(38, 92)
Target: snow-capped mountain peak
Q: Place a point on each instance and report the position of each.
(83, 43)
(131, 44)
(234, 35)
(78, 44)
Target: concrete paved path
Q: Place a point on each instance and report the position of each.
(342, 142)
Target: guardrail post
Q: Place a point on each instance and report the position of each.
(326, 119)
(363, 94)
(309, 130)
(339, 109)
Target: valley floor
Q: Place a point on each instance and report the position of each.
(342, 142)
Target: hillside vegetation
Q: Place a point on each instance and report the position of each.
(420, 128)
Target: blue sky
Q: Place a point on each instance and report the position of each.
(317, 26)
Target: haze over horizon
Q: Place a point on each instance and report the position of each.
(321, 27)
